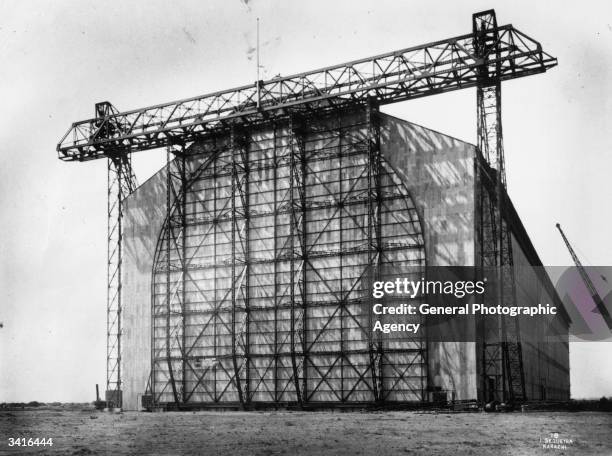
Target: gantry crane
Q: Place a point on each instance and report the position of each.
(600, 306)
(483, 58)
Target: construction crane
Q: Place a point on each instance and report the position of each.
(600, 306)
(499, 54)
(481, 59)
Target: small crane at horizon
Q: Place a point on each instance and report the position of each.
(600, 306)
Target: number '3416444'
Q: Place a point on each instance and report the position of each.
(29, 442)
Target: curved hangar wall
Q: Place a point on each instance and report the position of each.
(296, 208)
(274, 307)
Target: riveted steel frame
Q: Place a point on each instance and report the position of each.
(501, 353)
(414, 72)
(482, 59)
(240, 262)
(120, 183)
(173, 263)
(298, 257)
(374, 239)
(301, 248)
(175, 241)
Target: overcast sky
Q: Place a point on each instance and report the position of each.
(59, 58)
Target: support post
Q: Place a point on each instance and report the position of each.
(240, 256)
(275, 265)
(120, 183)
(175, 242)
(501, 347)
(298, 260)
(374, 202)
(181, 239)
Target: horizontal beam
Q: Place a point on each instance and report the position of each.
(410, 73)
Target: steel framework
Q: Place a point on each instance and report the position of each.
(260, 293)
(121, 181)
(503, 377)
(442, 66)
(482, 59)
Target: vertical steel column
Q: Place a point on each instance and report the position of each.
(246, 192)
(297, 229)
(240, 280)
(502, 358)
(374, 238)
(304, 254)
(491, 146)
(175, 243)
(275, 263)
(181, 161)
(120, 183)
(113, 276)
(236, 192)
(215, 282)
(340, 259)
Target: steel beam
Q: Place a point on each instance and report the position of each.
(374, 236)
(414, 72)
(297, 259)
(240, 257)
(277, 340)
(175, 261)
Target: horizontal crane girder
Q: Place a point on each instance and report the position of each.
(414, 72)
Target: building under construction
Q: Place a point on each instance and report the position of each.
(236, 273)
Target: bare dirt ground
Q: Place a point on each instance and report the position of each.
(85, 432)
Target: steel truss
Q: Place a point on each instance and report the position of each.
(415, 72)
(502, 372)
(120, 183)
(272, 257)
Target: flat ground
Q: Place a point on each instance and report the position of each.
(85, 431)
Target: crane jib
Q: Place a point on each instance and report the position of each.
(439, 67)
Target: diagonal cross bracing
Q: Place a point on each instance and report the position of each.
(442, 66)
(272, 238)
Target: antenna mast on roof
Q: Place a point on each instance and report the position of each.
(258, 78)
